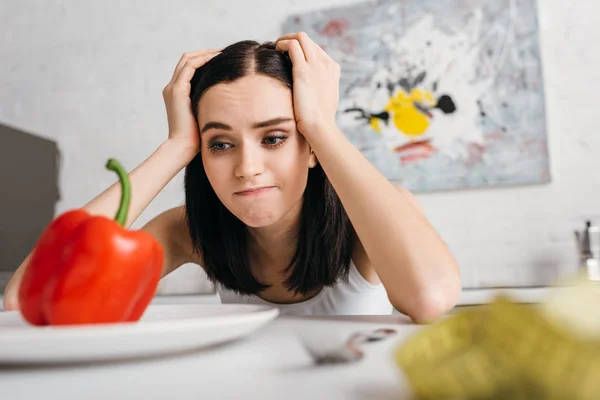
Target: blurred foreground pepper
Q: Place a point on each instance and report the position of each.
(90, 269)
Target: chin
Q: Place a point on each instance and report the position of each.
(257, 224)
(258, 219)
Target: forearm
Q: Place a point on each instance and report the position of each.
(407, 253)
(147, 180)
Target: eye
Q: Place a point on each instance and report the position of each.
(217, 147)
(274, 140)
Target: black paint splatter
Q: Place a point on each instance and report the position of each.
(483, 114)
(419, 79)
(390, 88)
(423, 109)
(384, 116)
(446, 104)
(366, 115)
(405, 84)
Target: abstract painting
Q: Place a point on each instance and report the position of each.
(439, 94)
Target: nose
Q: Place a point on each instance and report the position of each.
(249, 163)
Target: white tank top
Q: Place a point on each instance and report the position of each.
(355, 297)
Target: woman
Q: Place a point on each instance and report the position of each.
(280, 207)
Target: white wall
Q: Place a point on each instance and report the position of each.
(89, 75)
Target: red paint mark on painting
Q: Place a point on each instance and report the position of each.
(424, 145)
(415, 151)
(348, 46)
(412, 158)
(533, 147)
(297, 20)
(496, 135)
(475, 154)
(335, 27)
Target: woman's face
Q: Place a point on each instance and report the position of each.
(253, 155)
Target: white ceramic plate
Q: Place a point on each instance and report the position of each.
(164, 329)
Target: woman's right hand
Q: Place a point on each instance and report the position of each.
(183, 127)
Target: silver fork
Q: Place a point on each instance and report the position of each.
(331, 351)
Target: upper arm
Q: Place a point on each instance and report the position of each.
(170, 230)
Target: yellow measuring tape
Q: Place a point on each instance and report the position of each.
(507, 350)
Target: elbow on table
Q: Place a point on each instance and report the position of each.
(430, 303)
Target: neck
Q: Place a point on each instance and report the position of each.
(274, 246)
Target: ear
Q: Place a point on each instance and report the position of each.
(312, 161)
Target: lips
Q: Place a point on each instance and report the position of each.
(255, 190)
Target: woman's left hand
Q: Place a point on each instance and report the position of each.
(316, 84)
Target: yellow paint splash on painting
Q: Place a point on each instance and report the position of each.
(406, 117)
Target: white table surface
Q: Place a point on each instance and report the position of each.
(269, 364)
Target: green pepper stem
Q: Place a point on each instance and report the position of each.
(115, 166)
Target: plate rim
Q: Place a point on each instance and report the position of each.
(29, 332)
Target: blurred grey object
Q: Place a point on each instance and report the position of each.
(588, 246)
(29, 168)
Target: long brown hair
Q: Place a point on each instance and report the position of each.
(326, 236)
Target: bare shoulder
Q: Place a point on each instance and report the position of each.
(170, 230)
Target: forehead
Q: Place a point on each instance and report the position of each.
(247, 100)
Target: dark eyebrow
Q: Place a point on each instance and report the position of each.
(215, 125)
(271, 122)
(258, 125)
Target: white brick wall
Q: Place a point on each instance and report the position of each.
(89, 75)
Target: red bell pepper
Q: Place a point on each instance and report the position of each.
(89, 269)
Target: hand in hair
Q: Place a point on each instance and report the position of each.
(316, 84)
(183, 127)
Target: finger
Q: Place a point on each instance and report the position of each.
(189, 55)
(191, 65)
(294, 50)
(321, 53)
(308, 45)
